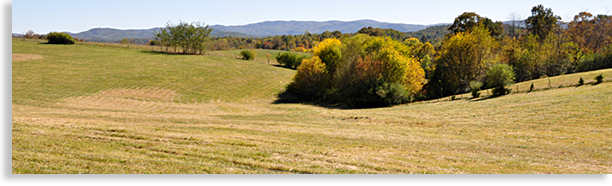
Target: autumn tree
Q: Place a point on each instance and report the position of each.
(591, 33)
(30, 34)
(463, 57)
(330, 52)
(311, 80)
(541, 22)
(359, 71)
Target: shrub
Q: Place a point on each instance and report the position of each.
(531, 87)
(581, 81)
(452, 97)
(500, 91)
(60, 38)
(247, 55)
(475, 86)
(596, 61)
(499, 76)
(311, 80)
(599, 78)
(290, 59)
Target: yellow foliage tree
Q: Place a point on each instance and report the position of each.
(330, 52)
(464, 57)
(398, 63)
(365, 71)
(311, 79)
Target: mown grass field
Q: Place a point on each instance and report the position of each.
(92, 109)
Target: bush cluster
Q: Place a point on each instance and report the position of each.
(290, 59)
(60, 38)
(247, 55)
(360, 71)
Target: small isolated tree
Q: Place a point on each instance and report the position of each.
(30, 34)
(125, 41)
(498, 77)
(60, 38)
(268, 55)
(581, 81)
(599, 78)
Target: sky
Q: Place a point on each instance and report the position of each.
(44, 16)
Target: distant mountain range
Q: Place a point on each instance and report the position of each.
(262, 29)
(111, 34)
(272, 28)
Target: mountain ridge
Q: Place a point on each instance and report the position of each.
(260, 29)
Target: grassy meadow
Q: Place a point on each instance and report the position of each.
(95, 109)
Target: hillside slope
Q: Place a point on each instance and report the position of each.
(90, 109)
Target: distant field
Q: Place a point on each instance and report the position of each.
(94, 109)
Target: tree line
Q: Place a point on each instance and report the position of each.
(376, 66)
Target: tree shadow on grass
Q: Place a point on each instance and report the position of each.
(281, 66)
(167, 53)
(288, 98)
(484, 98)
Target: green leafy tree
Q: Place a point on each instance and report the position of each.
(542, 21)
(467, 21)
(191, 38)
(498, 77)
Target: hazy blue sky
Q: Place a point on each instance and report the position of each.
(44, 16)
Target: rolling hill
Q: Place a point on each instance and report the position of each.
(86, 109)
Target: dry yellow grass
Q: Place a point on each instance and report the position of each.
(541, 132)
(25, 57)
